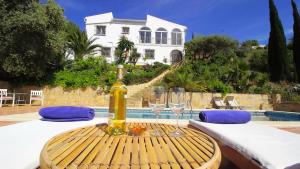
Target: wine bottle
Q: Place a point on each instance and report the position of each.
(117, 105)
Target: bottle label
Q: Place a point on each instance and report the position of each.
(119, 74)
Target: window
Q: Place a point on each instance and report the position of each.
(161, 36)
(149, 54)
(176, 37)
(125, 30)
(105, 52)
(101, 30)
(145, 35)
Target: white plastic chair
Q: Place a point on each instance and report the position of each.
(4, 97)
(37, 95)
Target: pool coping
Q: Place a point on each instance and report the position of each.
(35, 116)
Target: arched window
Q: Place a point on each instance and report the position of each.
(176, 36)
(145, 35)
(161, 36)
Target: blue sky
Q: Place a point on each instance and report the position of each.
(240, 19)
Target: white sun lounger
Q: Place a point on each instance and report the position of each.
(218, 101)
(232, 102)
(267, 146)
(21, 144)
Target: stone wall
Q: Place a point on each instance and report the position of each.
(90, 97)
(80, 97)
(59, 96)
(290, 107)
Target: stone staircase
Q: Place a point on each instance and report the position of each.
(136, 93)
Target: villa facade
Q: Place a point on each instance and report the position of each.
(157, 40)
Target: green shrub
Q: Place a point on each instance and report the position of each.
(259, 79)
(138, 76)
(259, 60)
(159, 67)
(143, 74)
(89, 72)
(95, 71)
(290, 97)
(219, 86)
(98, 64)
(69, 79)
(260, 89)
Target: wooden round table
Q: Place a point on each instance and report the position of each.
(91, 148)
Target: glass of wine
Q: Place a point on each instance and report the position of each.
(157, 103)
(177, 104)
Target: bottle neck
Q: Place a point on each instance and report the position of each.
(119, 74)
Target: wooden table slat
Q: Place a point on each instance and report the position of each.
(168, 153)
(91, 156)
(143, 154)
(108, 153)
(181, 149)
(68, 154)
(61, 138)
(159, 154)
(177, 154)
(75, 153)
(55, 153)
(91, 148)
(202, 140)
(127, 154)
(135, 154)
(200, 146)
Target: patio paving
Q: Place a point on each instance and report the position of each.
(292, 129)
(16, 110)
(5, 123)
(8, 110)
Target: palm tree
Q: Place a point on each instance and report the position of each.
(123, 49)
(79, 43)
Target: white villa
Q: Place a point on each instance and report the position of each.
(156, 39)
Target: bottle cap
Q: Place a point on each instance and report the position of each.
(120, 66)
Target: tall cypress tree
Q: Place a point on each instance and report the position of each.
(277, 51)
(296, 41)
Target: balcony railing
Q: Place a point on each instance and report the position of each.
(153, 42)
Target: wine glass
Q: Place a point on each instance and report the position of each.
(177, 105)
(157, 103)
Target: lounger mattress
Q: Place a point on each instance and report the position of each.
(21, 144)
(271, 147)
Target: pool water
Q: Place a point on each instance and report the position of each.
(167, 114)
(283, 116)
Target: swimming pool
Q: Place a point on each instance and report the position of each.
(167, 114)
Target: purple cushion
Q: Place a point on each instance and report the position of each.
(225, 116)
(67, 113)
(67, 119)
